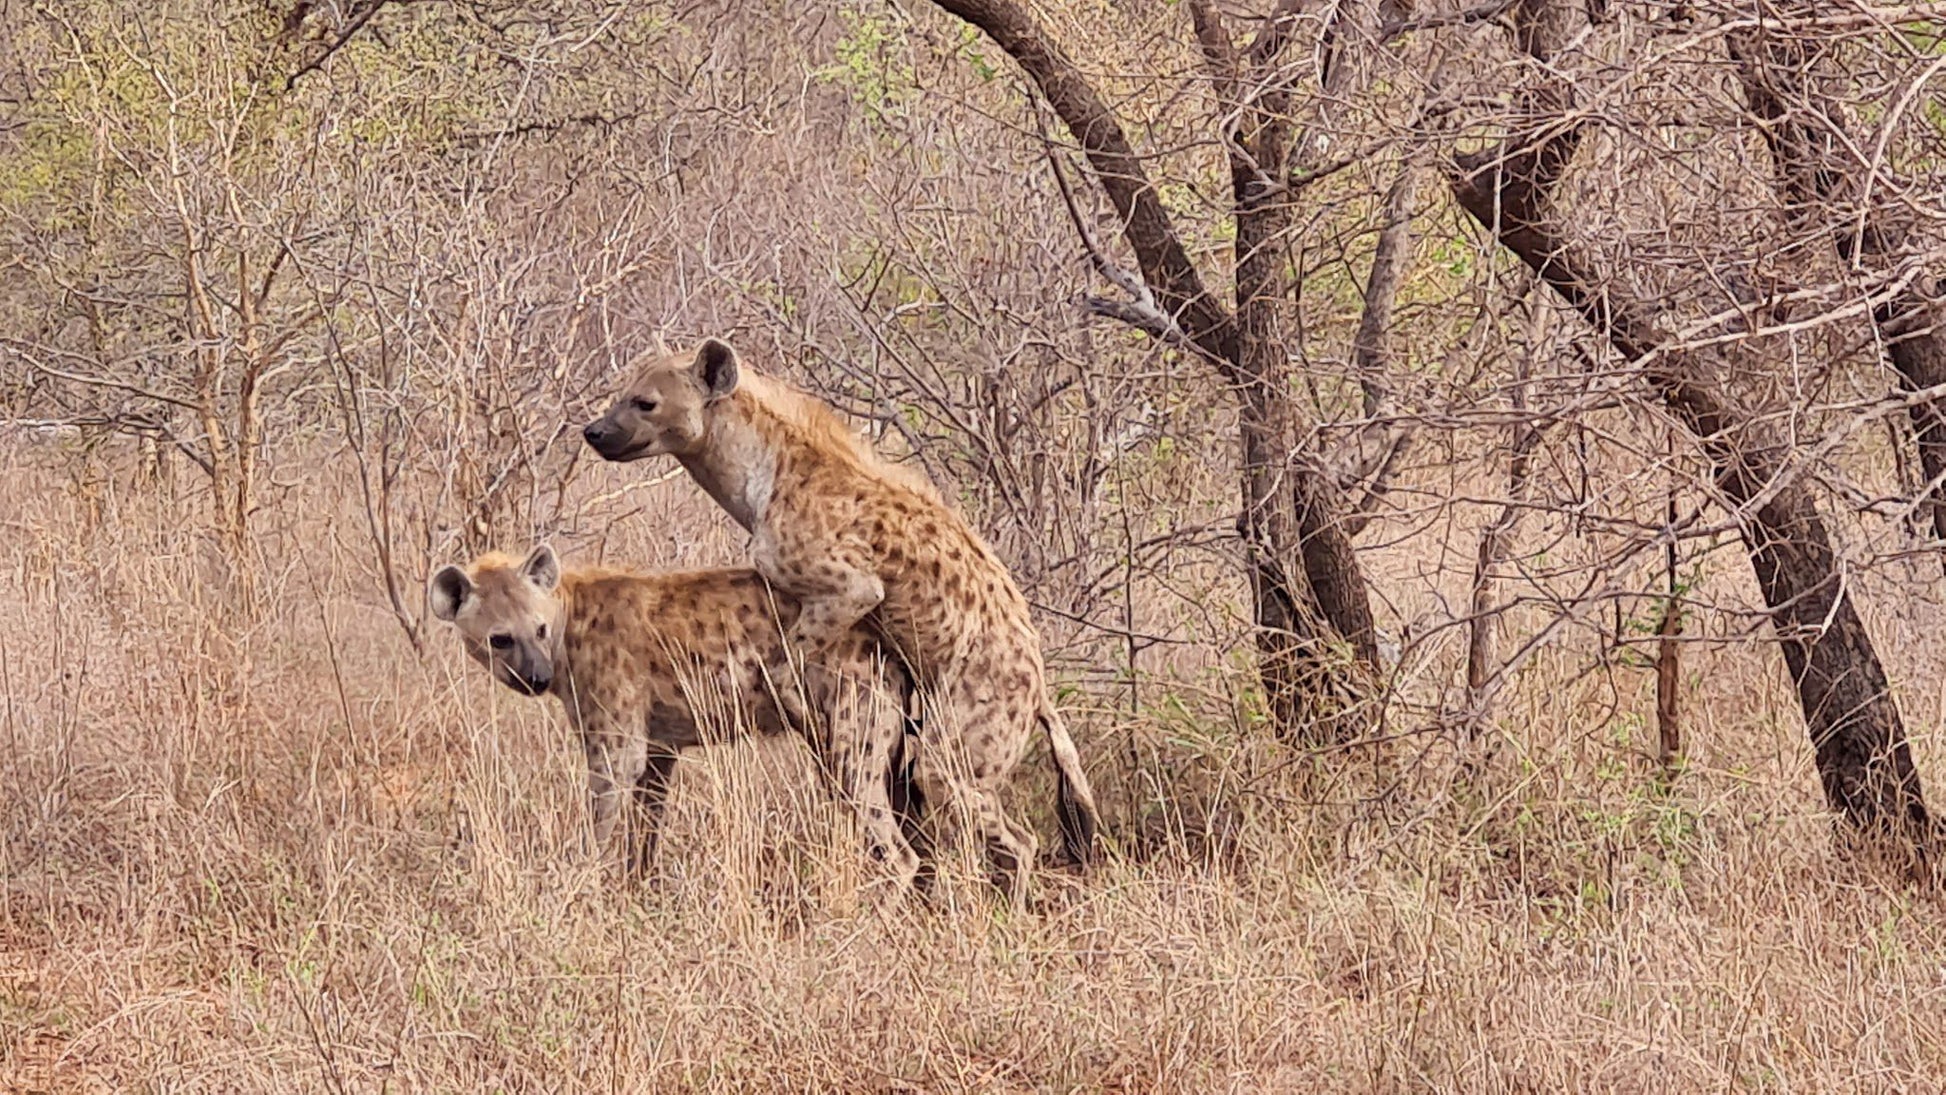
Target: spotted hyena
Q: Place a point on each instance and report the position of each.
(856, 539)
(647, 665)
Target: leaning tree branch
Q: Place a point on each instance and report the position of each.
(361, 14)
(1166, 267)
(1139, 309)
(1219, 53)
(110, 383)
(1395, 29)
(1277, 30)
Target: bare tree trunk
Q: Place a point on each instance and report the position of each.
(1668, 652)
(1668, 682)
(1371, 355)
(1496, 540)
(1287, 514)
(1381, 446)
(1305, 576)
(1862, 756)
(1909, 328)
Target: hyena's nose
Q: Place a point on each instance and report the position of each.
(594, 434)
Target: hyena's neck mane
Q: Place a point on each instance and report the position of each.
(771, 437)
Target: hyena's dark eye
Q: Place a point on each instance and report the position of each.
(541, 633)
(501, 642)
(646, 406)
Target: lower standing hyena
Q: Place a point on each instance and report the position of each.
(649, 665)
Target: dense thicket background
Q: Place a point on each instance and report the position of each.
(1463, 458)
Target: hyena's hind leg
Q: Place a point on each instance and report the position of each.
(955, 807)
(968, 747)
(908, 798)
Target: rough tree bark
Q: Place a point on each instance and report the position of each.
(1371, 353)
(1827, 190)
(1497, 539)
(1308, 586)
(1855, 727)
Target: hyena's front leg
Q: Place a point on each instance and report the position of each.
(835, 591)
(836, 585)
(651, 796)
(615, 762)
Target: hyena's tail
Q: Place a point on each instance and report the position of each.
(1079, 818)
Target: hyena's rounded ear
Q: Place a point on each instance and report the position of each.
(542, 568)
(449, 590)
(716, 368)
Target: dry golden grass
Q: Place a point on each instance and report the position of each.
(285, 853)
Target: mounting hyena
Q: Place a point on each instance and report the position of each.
(855, 538)
(649, 665)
